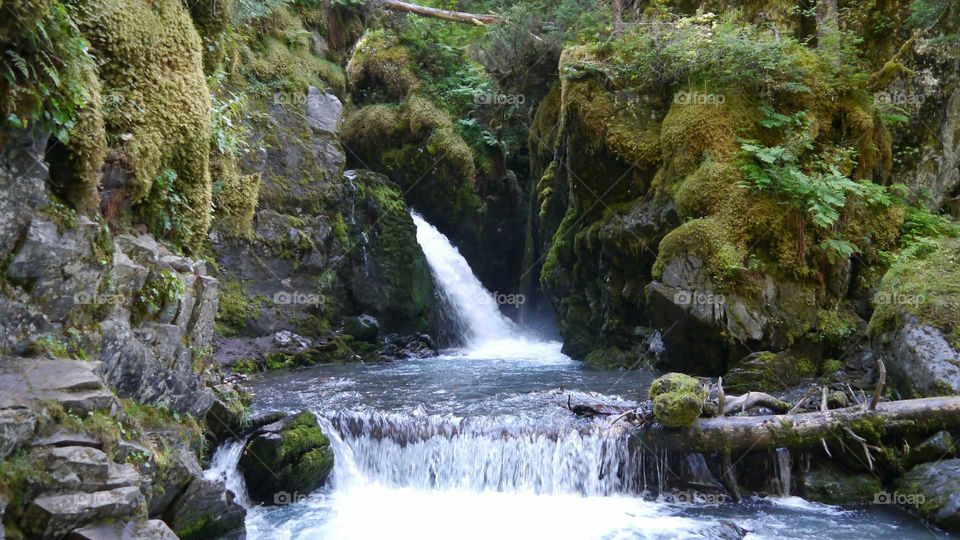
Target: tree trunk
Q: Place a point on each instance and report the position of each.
(455, 16)
(913, 416)
(617, 17)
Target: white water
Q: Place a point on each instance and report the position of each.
(473, 307)
(223, 467)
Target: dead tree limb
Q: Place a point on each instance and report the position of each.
(804, 430)
(479, 19)
(750, 400)
(881, 383)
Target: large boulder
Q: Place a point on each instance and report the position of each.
(932, 491)
(915, 326)
(53, 516)
(286, 460)
(768, 372)
(833, 486)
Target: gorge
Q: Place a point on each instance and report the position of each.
(479, 268)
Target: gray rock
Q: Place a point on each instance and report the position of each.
(71, 383)
(201, 325)
(324, 111)
(23, 175)
(152, 365)
(17, 426)
(932, 491)
(286, 338)
(920, 360)
(704, 323)
(363, 328)
(62, 438)
(206, 510)
(935, 447)
(143, 249)
(181, 469)
(128, 276)
(56, 515)
(153, 529)
(832, 486)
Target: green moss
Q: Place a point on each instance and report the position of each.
(838, 327)
(768, 372)
(677, 399)
(60, 214)
(612, 358)
(245, 366)
(380, 65)
(236, 309)
(156, 105)
(235, 195)
(707, 239)
(925, 284)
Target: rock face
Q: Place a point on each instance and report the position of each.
(286, 460)
(932, 491)
(326, 243)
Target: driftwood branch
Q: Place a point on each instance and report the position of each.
(804, 430)
(479, 19)
(881, 383)
(750, 400)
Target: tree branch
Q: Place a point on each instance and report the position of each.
(478, 19)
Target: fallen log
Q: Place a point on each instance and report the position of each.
(892, 418)
(479, 19)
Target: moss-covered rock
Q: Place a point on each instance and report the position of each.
(768, 372)
(156, 105)
(832, 485)
(931, 491)
(916, 320)
(677, 399)
(286, 459)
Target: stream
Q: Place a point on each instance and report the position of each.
(477, 443)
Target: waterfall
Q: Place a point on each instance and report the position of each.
(484, 454)
(223, 467)
(473, 308)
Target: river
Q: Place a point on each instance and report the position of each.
(478, 443)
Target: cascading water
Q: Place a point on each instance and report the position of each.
(477, 443)
(473, 307)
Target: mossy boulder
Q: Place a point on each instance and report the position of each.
(832, 485)
(768, 372)
(916, 320)
(286, 460)
(932, 491)
(677, 399)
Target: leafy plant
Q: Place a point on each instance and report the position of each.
(169, 207)
(43, 74)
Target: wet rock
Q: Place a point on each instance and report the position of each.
(677, 399)
(831, 485)
(287, 459)
(398, 347)
(206, 510)
(768, 372)
(363, 328)
(287, 339)
(153, 529)
(56, 515)
(932, 491)
(935, 447)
